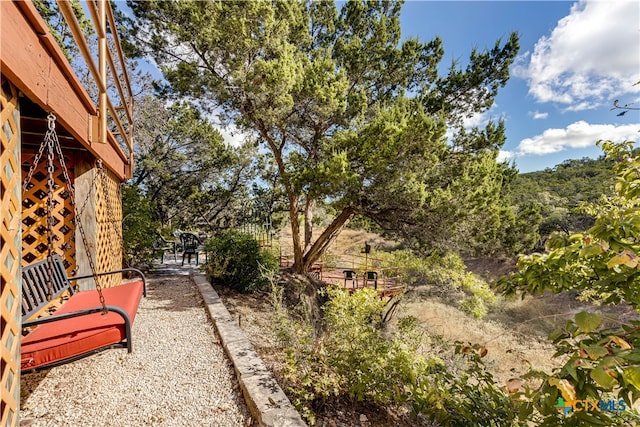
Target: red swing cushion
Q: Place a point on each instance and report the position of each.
(56, 341)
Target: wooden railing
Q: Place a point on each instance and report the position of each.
(102, 18)
(387, 280)
(97, 113)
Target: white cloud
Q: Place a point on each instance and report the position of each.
(590, 57)
(537, 115)
(476, 120)
(231, 135)
(483, 118)
(505, 155)
(577, 135)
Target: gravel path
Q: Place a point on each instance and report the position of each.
(177, 375)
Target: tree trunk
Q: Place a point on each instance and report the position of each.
(295, 236)
(327, 237)
(308, 223)
(276, 149)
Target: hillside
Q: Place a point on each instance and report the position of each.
(571, 182)
(513, 332)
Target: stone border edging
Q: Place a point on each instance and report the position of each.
(266, 400)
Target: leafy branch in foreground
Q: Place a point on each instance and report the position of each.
(599, 382)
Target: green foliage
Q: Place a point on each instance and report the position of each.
(49, 11)
(237, 261)
(603, 259)
(574, 181)
(470, 398)
(445, 276)
(191, 176)
(352, 115)
(601, 362)
(138, 226)
(558, 194)
(355, 357)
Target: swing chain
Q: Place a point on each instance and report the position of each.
(34, 165)
(79, 225)
(50, 204)
(52, 145)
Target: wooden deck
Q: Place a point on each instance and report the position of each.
(91, 123)
(387, 286)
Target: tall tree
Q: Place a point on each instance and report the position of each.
(184, 167)
(351, 115)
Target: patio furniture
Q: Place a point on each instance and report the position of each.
(371, 276)
(191, 245)
(163, 245)
(352, 276)
(82, 325)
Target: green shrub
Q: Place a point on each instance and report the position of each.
(236, 261)
(446, 277)
(138, 227)
(354, 357)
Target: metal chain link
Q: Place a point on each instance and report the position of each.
(34, 165)
(77, 212)
(70, 188)
(48, 141)
(86, 199)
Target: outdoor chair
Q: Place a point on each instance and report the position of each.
(191, 245)
(352, 276)
(371, 276)
(163, 245)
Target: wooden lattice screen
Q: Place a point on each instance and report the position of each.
(10, 236)
(108, 226)
(34, 213)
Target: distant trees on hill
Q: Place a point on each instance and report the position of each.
(557, 194)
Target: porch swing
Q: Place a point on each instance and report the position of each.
(88, 321)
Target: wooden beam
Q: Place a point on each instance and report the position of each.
(32, 61)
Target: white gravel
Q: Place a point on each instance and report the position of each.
(177, 375)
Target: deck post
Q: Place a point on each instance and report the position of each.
(102, 66)
(86, 176)
(99, 208)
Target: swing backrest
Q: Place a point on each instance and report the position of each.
(35, 285)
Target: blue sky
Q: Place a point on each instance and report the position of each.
(575, 59)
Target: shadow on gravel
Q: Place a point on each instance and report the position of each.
(172, 293)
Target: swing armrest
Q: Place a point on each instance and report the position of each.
(86, 312)
(125, 270)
